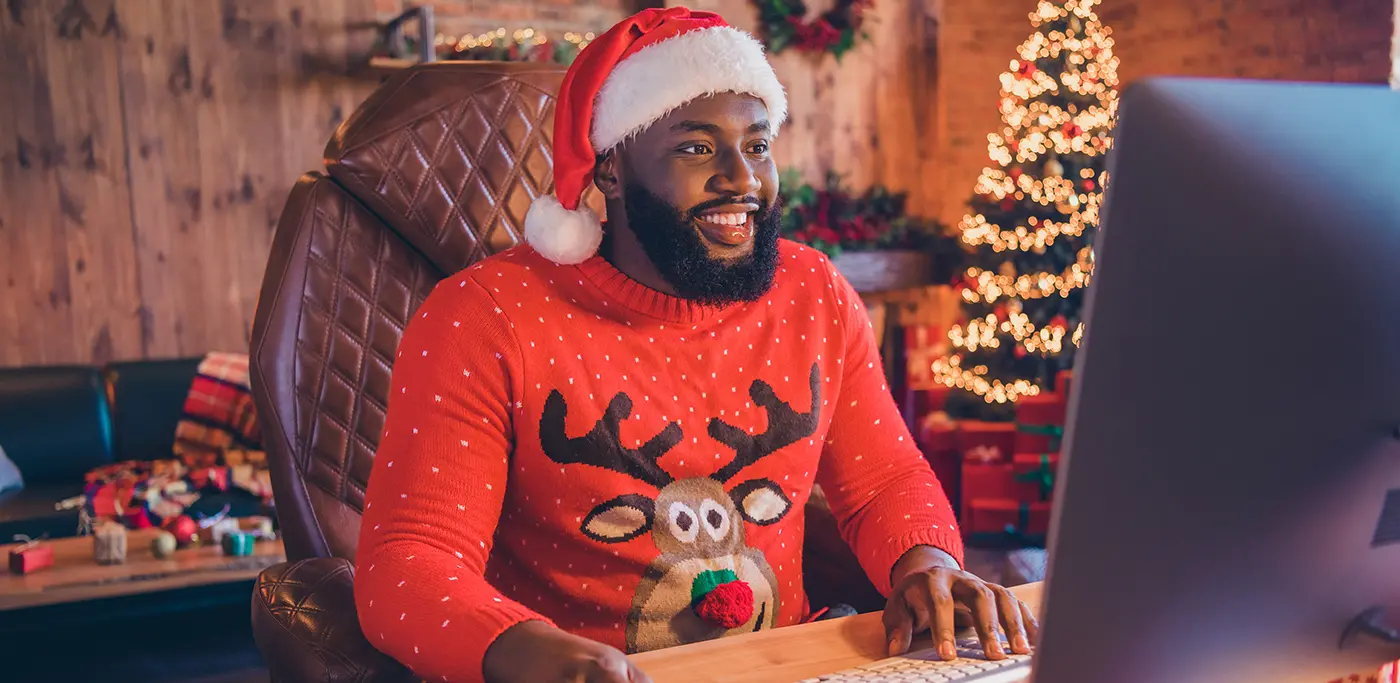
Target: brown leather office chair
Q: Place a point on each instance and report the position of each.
(430, 174)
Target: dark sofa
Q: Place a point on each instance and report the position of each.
(59, 422)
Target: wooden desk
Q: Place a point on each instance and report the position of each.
(75, 576)
(786, 654)
(797, 652)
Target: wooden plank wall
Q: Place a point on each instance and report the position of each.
(146, 149)
(870, 117)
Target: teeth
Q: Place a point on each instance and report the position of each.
(726, 218)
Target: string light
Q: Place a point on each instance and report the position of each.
(950, 373)
(524, 36)
(1047, 115)
(991, 286)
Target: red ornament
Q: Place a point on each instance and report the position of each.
(184, 529)
(1019, 352)
(1089, 184)
(1072, 129)
(728, 605)
(1015, 172)
(1059, 321)
(1025, 69)
(1000, 312)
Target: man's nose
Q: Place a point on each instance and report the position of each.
(736, 176)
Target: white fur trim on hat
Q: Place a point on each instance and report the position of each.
(560, 235)
(646, 86)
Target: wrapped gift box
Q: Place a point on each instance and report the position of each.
(1035, 476)
(1040, 422)
(1062, 381)
(1006, 517)
(31, 557)
(937, 439)
(983, 481)
(986, 442)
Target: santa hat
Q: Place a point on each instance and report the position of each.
(621, 83)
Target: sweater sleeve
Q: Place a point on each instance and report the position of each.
(436, 489)
(883, 493)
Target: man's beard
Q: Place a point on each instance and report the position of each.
(674, 244)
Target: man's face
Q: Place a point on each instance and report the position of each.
(699, 188)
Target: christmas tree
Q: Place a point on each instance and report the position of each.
(1032, 219)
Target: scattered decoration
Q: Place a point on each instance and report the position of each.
(184, 528)
(784, 24)
(109, 543)
(164, 545)
(237, 544)
(31, 557)
(1033, 217)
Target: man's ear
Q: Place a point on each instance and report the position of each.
(605, 175)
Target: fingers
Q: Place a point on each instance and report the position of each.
(985, 618)
(942, 624)
(899, 624)
(609, 667)
(635, 675)
(1011, 621)
(1032, 626)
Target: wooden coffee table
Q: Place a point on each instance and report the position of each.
(76, 577)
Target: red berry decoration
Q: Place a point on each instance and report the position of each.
(728, 605)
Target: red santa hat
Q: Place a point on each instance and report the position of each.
(621, 83)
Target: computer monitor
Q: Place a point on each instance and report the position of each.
(1228, 500)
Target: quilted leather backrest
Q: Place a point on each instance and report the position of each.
(433, 172)
(452, 157)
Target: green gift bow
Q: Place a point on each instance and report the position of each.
(1055, 432)
(1043, 475)
(1016, 532)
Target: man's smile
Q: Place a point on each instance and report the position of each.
(728, 227)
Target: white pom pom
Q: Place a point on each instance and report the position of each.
(560, 235)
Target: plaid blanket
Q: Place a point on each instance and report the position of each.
(217, 450)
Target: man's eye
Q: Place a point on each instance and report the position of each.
(759, 148)
(696, 149)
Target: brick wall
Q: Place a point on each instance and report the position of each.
(458, 17)
(1308, 40)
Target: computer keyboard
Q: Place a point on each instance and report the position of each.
(924, 666)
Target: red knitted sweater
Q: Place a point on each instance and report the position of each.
(567, 445)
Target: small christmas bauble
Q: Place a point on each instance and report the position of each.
(164, 545)
(184, 528)
(1053, 168)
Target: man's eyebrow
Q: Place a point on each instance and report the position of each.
(702, 127)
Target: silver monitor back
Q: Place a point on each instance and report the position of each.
(1221, 511)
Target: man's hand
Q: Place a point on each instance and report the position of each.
(535, 652)
(932, 593)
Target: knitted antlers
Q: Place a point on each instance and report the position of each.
(785, 426)
(601, 446)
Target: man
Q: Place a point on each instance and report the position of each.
(603, 442)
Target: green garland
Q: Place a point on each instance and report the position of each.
(783, 24)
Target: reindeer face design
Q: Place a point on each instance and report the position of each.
(707, 582)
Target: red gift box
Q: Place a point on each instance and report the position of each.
(986, 442)
(982, 481)
(938, 442)
(1062, 380)
(1006, 516)
(30, 558)
(1035, 475)
(1040, 421)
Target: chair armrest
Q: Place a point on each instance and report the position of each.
(305, 625)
